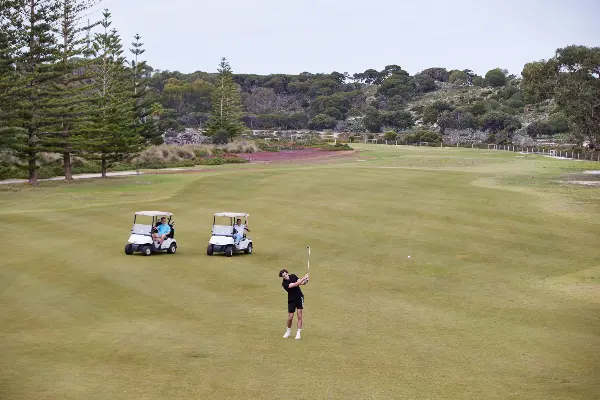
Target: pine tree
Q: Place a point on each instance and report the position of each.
(32, 52)
(227, 109)
(9, 124)
(71, 100)
(147, 127)
(113, 136)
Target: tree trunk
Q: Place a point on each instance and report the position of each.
(67, 165)
(103, 167)
(32, 168)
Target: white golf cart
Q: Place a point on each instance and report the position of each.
(222, 239)
(145, 223)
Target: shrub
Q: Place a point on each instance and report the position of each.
(220, 137)
(538, 129)
(335, 147)
(423, 136)
(265, 146)
(495, 77)
(240, 147)
(558, 122)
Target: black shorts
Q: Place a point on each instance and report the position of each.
(296, 304)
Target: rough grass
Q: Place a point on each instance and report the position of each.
(498, 300)
(166, 154)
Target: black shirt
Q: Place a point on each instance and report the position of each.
(295, 292)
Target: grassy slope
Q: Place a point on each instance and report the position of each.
(499, 300)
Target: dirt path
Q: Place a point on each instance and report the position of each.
(78, 176)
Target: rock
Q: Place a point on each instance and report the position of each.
(188, 136)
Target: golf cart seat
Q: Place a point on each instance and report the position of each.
(171, 234)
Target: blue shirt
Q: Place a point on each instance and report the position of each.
(164, 229)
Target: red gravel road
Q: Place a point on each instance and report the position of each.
(293, 155)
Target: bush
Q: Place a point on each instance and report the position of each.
(157, 141)
(538, 129)
(336, 147)
(240, 147)
(558, 122)
(220, 137)
(495, 78)
(390, 136)
(265, 146)
(423, 136)
(221, 160)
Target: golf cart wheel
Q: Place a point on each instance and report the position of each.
(172, 248)
(128, 249)
(248, 249)
(209, 250)
(229, 251)
(146, 250)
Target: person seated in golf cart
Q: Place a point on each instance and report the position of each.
(162, 230)
(238, 231)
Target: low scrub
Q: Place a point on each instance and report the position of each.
(154, 157)
(165, 156)
(336, 147)
(433, 138)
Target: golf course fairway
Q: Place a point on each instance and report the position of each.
(500, 298)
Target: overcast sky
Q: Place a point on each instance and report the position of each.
(292, 36)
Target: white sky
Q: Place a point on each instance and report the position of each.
(292, 36)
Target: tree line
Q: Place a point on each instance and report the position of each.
(376, 101)
(70, 86)
(66, 86)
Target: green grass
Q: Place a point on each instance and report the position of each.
(499, 300)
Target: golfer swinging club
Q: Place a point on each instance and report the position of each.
(291, 284)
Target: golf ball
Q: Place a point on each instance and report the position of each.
(408, 256)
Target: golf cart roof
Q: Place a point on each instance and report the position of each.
(230, 214)
(153, 213)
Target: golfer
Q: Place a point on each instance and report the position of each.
(239, 231)
(291, 284)
(162, 230)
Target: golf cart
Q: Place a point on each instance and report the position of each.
(145, 223)
(222, 239)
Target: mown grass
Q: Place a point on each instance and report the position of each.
(499, 300)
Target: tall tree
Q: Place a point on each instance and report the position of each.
(33, 54)
(113, 136)
(71, 99)
(9, 124)
(144, 98)
(572, 78)
(227, 110)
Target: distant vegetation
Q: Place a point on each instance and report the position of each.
(499, 104)
(67, 88)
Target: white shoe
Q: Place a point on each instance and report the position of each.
(287, 335)
(298, 335)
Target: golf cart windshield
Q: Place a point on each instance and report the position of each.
(223, 223)
(141, 229)
(222, 230)
(142, 223)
